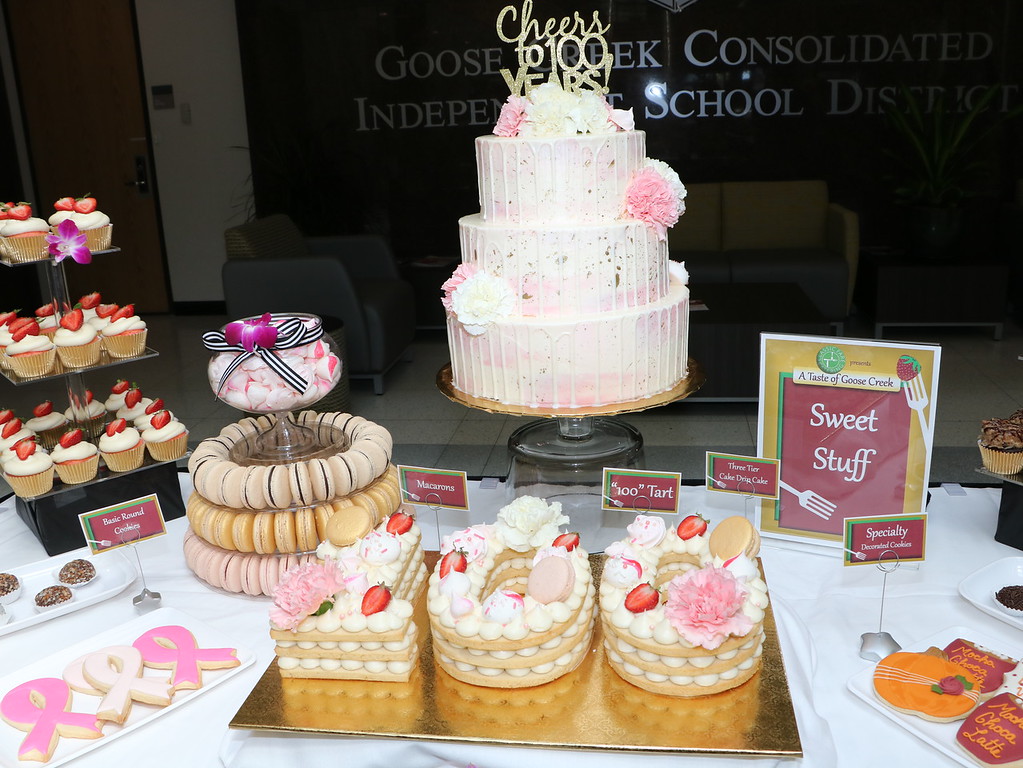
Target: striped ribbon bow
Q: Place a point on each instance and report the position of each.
(264, 336)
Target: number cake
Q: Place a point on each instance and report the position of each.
(682, 610)
(512, 605)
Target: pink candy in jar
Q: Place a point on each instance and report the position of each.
(255, 385)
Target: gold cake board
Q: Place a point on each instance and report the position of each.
(591, 708)
(691, 383)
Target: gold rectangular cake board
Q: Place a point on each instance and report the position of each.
(590, 708)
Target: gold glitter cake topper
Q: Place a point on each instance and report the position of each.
(573, 48)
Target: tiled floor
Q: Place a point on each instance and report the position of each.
(980, 378)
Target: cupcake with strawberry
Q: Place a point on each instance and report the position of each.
(47, 423)
(166, 439)
(90, 415)
(12, 432)
(6, 318)
(30, 354)
(77, 342)
(115, 399)
(135, 405)
(125, 336)
(30, 471)
(101, 317)
(47, 318)
(93, 223)
(155, 406)
(121, 446)
(22, 235)
(75, 459)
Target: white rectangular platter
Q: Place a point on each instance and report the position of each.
(114, 572)
(940, 736)
(980, 586)
(141, 714)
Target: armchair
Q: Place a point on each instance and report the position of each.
(271, 267)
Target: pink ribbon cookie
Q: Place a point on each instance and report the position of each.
(42, 707)
(117, 673)
(174, 647)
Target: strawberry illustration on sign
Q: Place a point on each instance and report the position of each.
(907, 367)
(375, 600)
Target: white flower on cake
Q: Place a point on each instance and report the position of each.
(669, 174)
(590, 114)
(646, 531)
(503, 606)
(529, 523)
(480, 300)
(677, 269)
(549, 112)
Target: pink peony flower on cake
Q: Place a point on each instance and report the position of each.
(513, 114)
(705, 606)
(462, 273)
(651, 199)
(302, 591)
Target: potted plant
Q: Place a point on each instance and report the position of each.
(937, 158)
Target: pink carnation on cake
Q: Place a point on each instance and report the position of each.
(651, 199)
(462, 273)
(302, 591)
(513, 113)
(705, 606)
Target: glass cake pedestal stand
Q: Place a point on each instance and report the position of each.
(562, 456)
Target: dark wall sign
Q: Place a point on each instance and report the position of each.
(362, 114)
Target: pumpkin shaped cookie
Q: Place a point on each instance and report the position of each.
(926, 685)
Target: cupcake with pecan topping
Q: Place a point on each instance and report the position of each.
(1001, 445)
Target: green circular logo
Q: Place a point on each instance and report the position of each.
(830, 359)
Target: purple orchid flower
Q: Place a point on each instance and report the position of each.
(251, 333)
(69, 241)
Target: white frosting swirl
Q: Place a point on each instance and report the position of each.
(124, 440)
(68, 338)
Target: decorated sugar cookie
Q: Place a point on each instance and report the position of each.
(174, 647)
(42, 707)
(926, 685)
(992, 734)
(116, 674)
(987, 666)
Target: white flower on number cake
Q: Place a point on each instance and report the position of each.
(476, 298)
(529, 522)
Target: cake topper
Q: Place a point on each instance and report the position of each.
(576, 52)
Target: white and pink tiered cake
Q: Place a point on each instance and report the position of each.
(565, 297)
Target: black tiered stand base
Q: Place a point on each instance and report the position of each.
(54, 518)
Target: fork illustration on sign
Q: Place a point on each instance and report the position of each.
(916, 398)
(812, 501)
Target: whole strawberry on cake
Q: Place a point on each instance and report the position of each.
(683, 610)
(512, 604)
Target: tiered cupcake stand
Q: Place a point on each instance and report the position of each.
(53, 516)
(562, 455)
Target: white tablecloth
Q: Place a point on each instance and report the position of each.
(821, 609)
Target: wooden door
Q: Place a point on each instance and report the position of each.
(77, 68)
